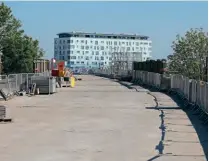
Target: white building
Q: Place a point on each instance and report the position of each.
(94, 50)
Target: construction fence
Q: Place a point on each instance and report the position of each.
(194, 91)
(19, 82)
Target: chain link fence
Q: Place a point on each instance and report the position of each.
(20, 82)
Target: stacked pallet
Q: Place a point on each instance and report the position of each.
(2, 112)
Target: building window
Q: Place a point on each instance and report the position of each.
(68, 52)
(72, 46)
(73, 57)
(87, 52)
(68, 41)
(150, 44)
(63, 41)
(130, 43)
(63, 57)
(68, 57)
(87, 58)
(78, 52)
(137, 43)
(97, 52)
(63, 52)
(95, 47)
(132, 48)
(102, 58)
(96, 42)
(55, 41)
(102, 47)
(71, 52)
(68, 46)
(60, 41)
(78, 62)
(87, 47)
(91, 41)
(126, 43)
(72, 62)
(71, 41)
(145, 43)
(86, 42)
(92, 52)
(96, 58)
(115, 42)
(82, 62)
(81, 57)
(77, 41)
(82, 47)
(102, 42)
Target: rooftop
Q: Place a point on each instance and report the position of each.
(100, 35)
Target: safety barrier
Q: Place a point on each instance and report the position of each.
(196, 92)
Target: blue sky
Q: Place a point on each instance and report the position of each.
(161, 21)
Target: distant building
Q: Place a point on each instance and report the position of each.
(93, 50)
(41, 65)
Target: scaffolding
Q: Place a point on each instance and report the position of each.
(122, 62)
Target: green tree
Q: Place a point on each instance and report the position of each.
(19, 56)
(19, 50)
(9, 25)
(189, 54)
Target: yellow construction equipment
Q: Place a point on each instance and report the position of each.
(72, 82)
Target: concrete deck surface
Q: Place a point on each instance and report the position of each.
(98, 120)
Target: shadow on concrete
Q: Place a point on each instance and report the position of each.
(164, 108)
(200, 128)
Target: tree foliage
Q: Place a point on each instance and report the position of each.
(189, 54)
(19, 50)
